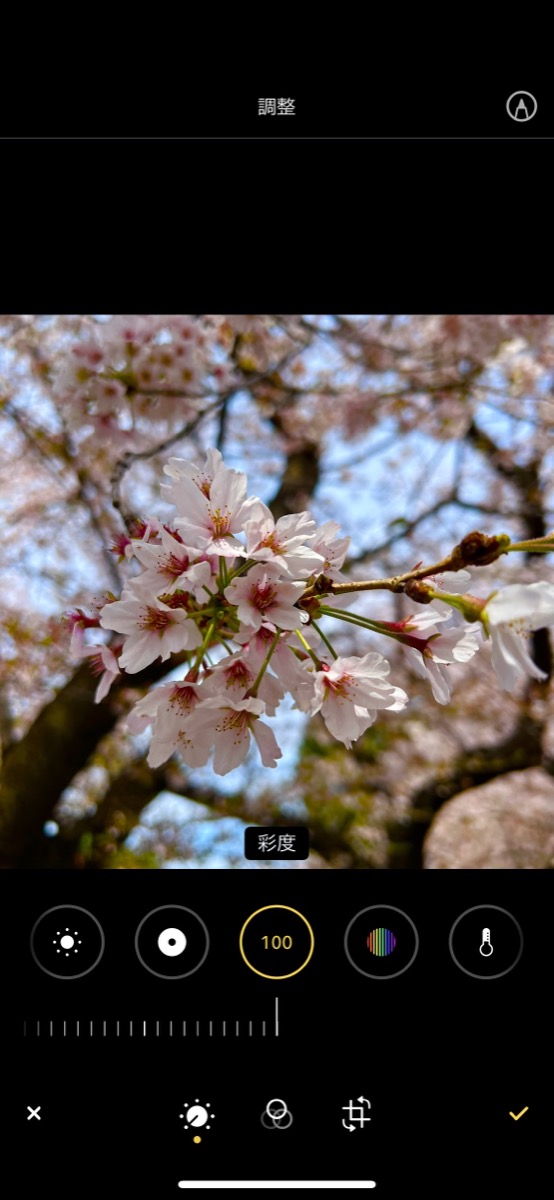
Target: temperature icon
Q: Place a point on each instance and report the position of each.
(486, 948)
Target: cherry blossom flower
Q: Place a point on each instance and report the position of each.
(212, 521)
(283, 542)
(131, 366)
(508, 616)
(180, 469)
(438, 652)
(227, 725)
(296, 674)
(426, 618)
(350, 693)
(332, 548)
(153, 629)
(173, 566)
(263, 595)
(79, 622)
(236, 674)
(197, 593)
(166, 708)
(104, 663)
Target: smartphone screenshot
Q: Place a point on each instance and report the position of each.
(277, 593)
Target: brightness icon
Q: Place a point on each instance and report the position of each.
(68, 942)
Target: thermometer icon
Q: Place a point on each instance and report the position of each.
(485, 948)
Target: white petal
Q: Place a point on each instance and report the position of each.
(530, 603)
(267, 745)
(510, 658)
(231, 748)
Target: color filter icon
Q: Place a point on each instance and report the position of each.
(381, 942)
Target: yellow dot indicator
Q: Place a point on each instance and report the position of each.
(197, 1139)
(296, 938)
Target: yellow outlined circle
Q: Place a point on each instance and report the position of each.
(266, 908)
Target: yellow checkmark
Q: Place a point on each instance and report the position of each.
(516, 1118)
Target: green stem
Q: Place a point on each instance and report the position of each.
(471, 607)
(254, 689)
(223, 574)
(245, 566)
(311, 653)
(207, 639)
(324, 639)
(363, 623)
(536, 545)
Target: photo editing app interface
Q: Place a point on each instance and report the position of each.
(316, 1031)
(275, 641)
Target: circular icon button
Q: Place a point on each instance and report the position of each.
(67, 942)
(381, 941)
(172, 942)
(276, 1115)
(521, 106)
(486, 942)
(276, 941)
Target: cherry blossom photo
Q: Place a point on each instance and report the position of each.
(277, 571)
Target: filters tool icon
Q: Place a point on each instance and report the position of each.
(381, 942)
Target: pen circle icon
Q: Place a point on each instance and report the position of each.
(521, 106)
